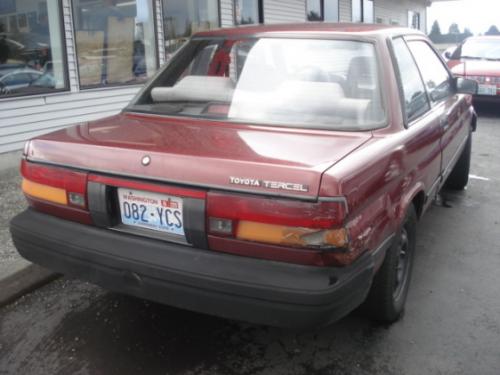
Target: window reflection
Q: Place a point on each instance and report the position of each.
(31, 53)
(115, 41)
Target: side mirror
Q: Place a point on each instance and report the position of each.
(466, 86)
(447, 54)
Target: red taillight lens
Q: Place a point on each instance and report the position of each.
(287, 212)
(68, 180)
(58, 191)
(286, 226)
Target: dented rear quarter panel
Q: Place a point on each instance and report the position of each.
(398, 165)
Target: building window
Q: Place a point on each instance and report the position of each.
(322, 10)
(247, 12)
(182, 18)
(315, 11)
(115, 41)
(414, 20)
(31, 48)
(362, 11)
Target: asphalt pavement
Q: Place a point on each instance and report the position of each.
(451, 324)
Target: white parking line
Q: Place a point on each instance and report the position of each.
(474, 177)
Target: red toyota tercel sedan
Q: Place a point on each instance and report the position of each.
(271, 174)
(478, 58)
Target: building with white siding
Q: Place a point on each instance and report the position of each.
(68, 61)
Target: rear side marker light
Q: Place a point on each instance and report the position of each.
(44, 192)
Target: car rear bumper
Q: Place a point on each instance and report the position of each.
(253, 290)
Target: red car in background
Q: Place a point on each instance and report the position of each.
(478, 58)
(271, 174)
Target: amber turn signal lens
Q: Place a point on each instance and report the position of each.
(291, 236)
(44, 192)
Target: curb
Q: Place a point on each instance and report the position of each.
(21, 278)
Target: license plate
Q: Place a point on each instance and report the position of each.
(487, 90)
(159, 212)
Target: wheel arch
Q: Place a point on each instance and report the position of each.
(416, 197)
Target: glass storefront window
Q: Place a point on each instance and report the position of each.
(115, 41)
(322, 10)
(247, 12)
(182, 18)
(314, 10)
(368, 11)
(362, 11)
(331, 10)
(31, 48)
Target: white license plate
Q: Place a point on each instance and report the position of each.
(153, 211)
(487, 90)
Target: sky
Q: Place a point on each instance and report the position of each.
(477, 15)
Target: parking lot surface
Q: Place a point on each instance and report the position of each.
(451, 324)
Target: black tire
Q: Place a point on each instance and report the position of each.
(387, 297)
(459, 176)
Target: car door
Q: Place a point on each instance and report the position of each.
(422, 123)
(447, 105)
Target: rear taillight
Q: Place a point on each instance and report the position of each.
(58, 191)
(316, 227)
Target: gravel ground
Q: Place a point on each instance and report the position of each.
(11, 203)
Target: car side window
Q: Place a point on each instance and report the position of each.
(436, 77)
(415, 97)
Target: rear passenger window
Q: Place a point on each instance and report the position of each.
(435, 75)
(416, 102)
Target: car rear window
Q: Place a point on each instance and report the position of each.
(328, 84)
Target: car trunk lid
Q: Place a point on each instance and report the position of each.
(220, 155)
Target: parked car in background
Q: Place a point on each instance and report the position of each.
(271, 174)
(478, 58)
(18, 79)
(9, 68)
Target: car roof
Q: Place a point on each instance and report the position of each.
(311, 27)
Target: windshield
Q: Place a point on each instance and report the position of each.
(328, 84)
(487, 49)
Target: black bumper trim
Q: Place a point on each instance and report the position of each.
(253, 290)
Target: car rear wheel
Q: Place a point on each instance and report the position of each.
(387, 296)
(459, 176)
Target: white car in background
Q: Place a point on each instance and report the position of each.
(18, 79)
